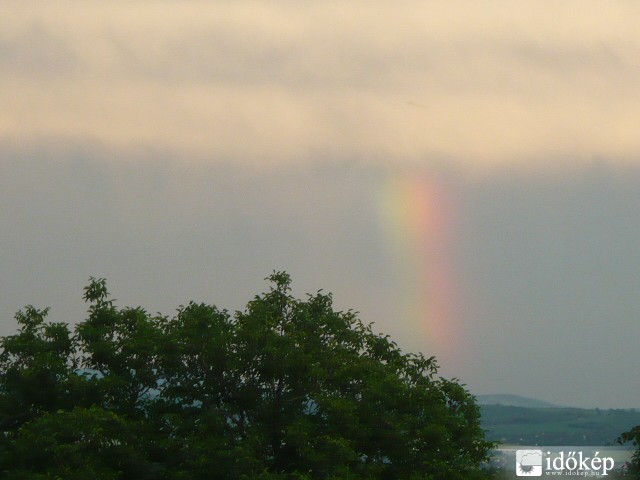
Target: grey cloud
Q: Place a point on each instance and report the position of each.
(552, 264)
(547, 265)
(149, 226)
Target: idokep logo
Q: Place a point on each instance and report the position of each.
(529, 463)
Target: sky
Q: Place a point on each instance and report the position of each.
(463, 174)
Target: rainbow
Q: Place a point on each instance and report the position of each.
(418, 218)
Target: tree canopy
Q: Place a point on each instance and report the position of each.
(286, 389)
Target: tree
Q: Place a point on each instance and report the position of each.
(286, 389)
(632, 436)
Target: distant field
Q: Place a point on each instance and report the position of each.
(555, 426)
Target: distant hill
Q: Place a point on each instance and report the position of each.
(513, 401)
(516, 425)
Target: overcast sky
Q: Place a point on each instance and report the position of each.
(464, 174)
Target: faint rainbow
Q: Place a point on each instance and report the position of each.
(418, 216)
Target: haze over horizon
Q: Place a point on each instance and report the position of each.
(467, 177)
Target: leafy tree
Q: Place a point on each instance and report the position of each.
(632, 436)
(36, 365)
(79, 444)
(120, 347)
(286, 389)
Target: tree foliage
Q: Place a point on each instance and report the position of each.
(286, 389)
(632, 436)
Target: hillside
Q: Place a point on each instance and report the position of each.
(555, 426)
(513, 401)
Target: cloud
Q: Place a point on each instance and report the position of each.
(531, 459)
(36, 51)
(545, 265)
(503, 82)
